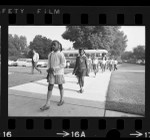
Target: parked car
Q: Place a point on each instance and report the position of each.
(139, 61)
(125, 61)
(28, 62)
(12, 63)
(24, 62)
(42, 64)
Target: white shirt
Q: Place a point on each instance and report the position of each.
(57, 61)
(104, 61)
(36, 57)
(111, 61)
(116, 62)
(95, 61)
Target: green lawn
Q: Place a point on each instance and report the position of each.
(23, 75)
(126, 90)
(127, 66)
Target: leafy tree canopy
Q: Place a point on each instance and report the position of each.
(97, 37)
(41, 45)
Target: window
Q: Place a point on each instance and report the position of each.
(97, 54)
(66, 55)
(75, 54)
(70, 55)
(92, 54)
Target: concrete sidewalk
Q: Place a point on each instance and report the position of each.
(26, 99)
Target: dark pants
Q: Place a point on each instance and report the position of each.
(110, 67)
(34, 66)
(115, 67)
(103, 67)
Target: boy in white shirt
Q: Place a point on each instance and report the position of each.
(35, 60)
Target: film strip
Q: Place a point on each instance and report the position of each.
(70, 126)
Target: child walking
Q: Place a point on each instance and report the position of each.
(81, 68)
(56, 65)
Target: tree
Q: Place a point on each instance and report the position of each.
(139, 52)
(12, 49)
(23, 42)
(20, 42)
(119, 45)
(16, 45)
(41, 45)
(97, 37)
(127, 55)
(89, 37)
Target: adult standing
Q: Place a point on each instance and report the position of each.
(56, 65)
(81, 68)
(35, 59)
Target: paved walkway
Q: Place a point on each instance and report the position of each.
(26, 99)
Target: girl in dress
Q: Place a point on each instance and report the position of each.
(56, 65)
(81, 68)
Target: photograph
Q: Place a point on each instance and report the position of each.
(76, 71)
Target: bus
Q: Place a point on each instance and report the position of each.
(71, 55)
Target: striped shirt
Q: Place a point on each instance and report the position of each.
(57, 61)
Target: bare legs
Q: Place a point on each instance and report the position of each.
(61, 95)
(81, 83)
(34, 66)
(49, 94)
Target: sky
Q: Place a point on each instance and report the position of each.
(135, 34)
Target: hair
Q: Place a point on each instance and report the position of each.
(82, 50)
(33, 50)
(60, 45)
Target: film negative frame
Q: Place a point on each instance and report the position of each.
(77, 126)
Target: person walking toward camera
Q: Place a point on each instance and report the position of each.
(115, 64)
(56, 65)
(104, 59)
(35, 59)
(111, 65)
(81, 69)
(95, 65)
(90, 64)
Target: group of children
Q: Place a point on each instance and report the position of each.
(95, 65)
(57, 63)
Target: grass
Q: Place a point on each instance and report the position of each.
(127, 66)
(21, 75)
(126, 92)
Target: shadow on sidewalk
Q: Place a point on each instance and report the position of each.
(56, 87)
